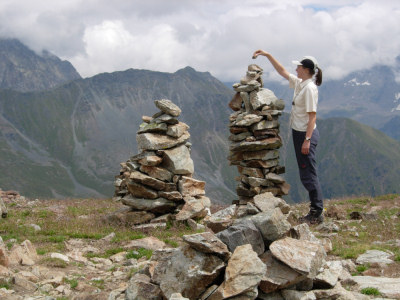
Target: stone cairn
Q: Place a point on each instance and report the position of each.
(7, 196)
(255, 138)
(158, 181)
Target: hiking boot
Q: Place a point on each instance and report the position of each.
(312, 218)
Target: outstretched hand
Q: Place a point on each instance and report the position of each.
(259, 52)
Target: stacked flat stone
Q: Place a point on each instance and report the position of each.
(159, 180)
(255, 139)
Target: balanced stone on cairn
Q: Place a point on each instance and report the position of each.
(159, 180)
(255, 139)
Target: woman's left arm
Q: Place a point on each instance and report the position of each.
(312, 119)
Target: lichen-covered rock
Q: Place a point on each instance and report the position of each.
(305, 258)
(278, 275)
(207, 242)
(177, 160)
(185, 270)
(243, 273)
(155, 141)
(168, 107)
(242, 233)
(140, 288)
(272, 224)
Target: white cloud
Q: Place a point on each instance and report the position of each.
(216, 36)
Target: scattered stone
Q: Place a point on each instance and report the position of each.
(59, 256)
(151, 243)
(4, 260)
(374, 256)
(328, 227)
(388, 287)
(24, 254)
(3, 209)
(35, 227)
(23, 283)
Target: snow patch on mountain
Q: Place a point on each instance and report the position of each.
(355, 82)
(396, 108)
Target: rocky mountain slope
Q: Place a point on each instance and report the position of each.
(23, 70)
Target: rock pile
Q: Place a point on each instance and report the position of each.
(255, 139)
(158, 181)
(259, 256)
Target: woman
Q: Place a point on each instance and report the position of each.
(304, 129)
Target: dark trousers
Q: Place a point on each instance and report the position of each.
(308, 168)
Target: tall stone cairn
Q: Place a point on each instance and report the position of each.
(158, 180)
(255, 139)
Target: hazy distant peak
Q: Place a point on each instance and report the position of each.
(23, 70)
(190, 71)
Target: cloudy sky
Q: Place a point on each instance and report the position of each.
(218, 36)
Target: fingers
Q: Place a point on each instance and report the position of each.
(257, 53)
(305, 150)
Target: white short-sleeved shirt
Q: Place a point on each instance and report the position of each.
(305, 100)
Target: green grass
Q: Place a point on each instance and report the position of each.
(44, 214)
(370, 291)
(54, 262)
(172, 243)
(113, 251)
(73, 283)
(360, 269)
(141, 252)
(41, 251)
(99, 283)
(4, 285)
(386, 197)
(358, 236)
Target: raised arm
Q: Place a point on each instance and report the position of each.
(276, 64)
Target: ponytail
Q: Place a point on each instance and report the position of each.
(318, 77)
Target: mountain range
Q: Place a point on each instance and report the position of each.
(66, 137)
